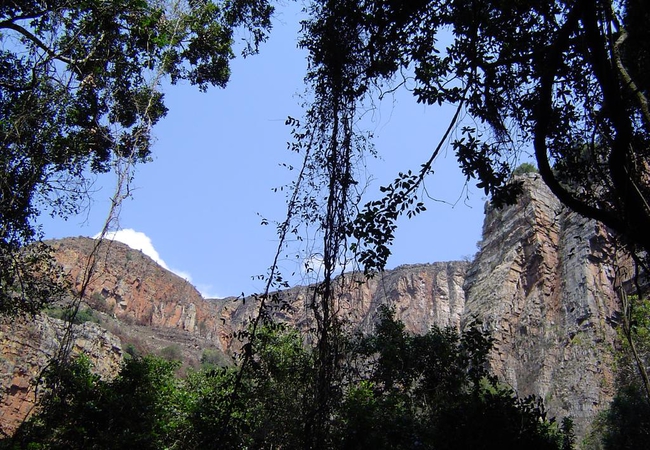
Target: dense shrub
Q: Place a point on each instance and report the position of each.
(82, 315)
(394, 391)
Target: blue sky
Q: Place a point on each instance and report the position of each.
(218, 155)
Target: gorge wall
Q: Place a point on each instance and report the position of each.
(542, 283)
(28, 344)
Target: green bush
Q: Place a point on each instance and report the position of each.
(626, 422)
(83, 314)
(525, 168)
(212, 358)
(131, 351)
(171, 353)
(141, 408)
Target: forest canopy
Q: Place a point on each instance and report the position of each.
(563, 81)
(79, 94)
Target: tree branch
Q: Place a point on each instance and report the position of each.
(627, 79)
(8, 24)
(543, 115)
(633, 207)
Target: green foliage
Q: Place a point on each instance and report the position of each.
(141, 408)
(434, 391)
(567, 79)
(626, 423)
(268, 408)
(525, 168)
(65, 313)
(171, 353)
(400, 391)
(212, 358)
(130, 351)
(79, 90)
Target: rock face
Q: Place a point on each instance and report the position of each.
(543, 284)
(29, 344)
(131, 288)
(422, 295)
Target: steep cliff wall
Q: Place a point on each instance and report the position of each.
(542, 283)
(28, 344)
(422, 295)
(131, 288)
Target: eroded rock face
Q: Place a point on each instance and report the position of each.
(542, 283)
(131, 286)
(133, 289)
(28, 345)
(422, 295)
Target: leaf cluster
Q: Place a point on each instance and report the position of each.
(397, 391)
(80, 90)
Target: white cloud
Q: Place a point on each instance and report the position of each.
(207, 291)
(137, 241)
(140, 241)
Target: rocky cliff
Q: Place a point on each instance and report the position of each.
(542, 283)
(28, 345)
(423, 295)
(145, 304)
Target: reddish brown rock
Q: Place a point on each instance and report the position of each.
(542, 283)
(28, 344)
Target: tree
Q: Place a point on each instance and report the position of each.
(80, 92)
(267, 407)
(145, 407)
(568, 79)
(435, 391)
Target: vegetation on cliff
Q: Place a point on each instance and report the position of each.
(626, 423)
(568, 79)
(398, 391)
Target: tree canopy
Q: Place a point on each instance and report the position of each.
(80, 91)
(565, 81)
